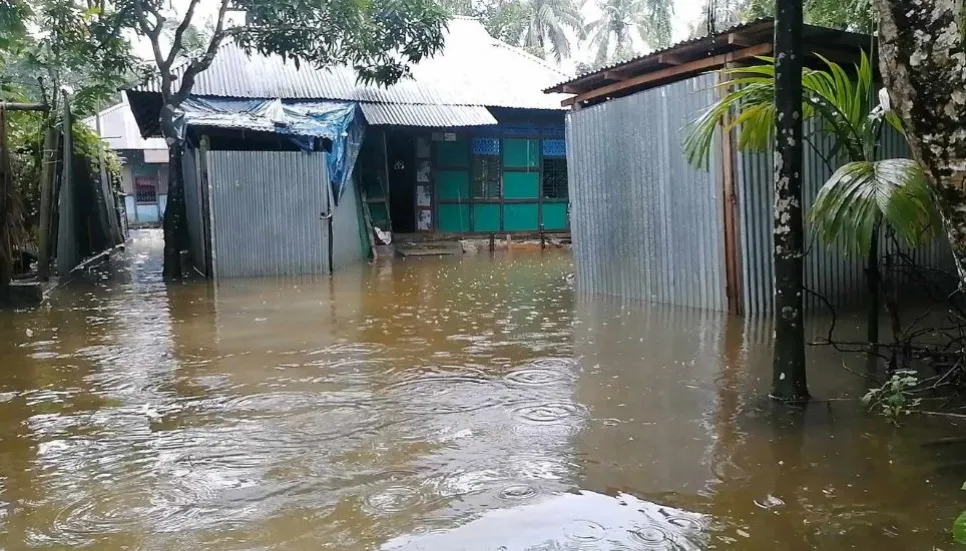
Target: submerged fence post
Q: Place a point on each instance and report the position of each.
(788, 376)
(67, 256)
(48, 172)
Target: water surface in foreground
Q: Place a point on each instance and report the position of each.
(434, 405)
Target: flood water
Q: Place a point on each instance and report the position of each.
(435, 404)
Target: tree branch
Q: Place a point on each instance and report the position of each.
(179, 32)
(199, 65)
(153, 32)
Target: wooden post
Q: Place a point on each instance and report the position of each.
(729, 200)
(492, 242)
(48, 173)
(66, 232)
(788, 375)
(207, 213)
(386, 189)
(7, 210)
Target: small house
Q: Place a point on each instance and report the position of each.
(648, 226)
(468, 146)
(144, 170)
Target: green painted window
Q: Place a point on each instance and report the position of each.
(521, 153)
(455, 154)
(486, 177)
(521, 217)
(486, 217)
(453, 185)
(453, 218)
(521, 185)
(554, 216)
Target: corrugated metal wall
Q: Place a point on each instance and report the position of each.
(193, 203)
(828, 271)
(266, 208)
(645, 225)
(347, 246)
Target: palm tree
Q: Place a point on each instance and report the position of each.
(864, 194)
(550, 24)
(622, 22)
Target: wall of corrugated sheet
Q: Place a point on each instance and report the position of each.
(347, 246)
(266, 208)
(645, 225)
(193, 198)
(837, 276)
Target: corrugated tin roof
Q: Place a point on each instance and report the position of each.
(120, 130)
(669, 49)
(433, 116)
(473, 69)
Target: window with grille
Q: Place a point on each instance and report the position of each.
(146, 190)
(555, 177)
(487, 178)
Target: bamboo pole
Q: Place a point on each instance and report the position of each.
(15, 106)
(48, 173)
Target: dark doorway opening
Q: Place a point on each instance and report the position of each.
(401, 155)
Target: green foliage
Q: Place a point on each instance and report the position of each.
(79, 47)
(623, 22)
(25, 138)
(860, 193)
(549, 22)
(380, 39)
(852, 15)
(894, 399)
(542, 27)
(959, 529)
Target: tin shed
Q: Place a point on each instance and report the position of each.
(648, 226)
(468, 145)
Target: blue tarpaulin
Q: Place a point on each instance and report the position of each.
(300, 122)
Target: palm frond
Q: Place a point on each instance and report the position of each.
(860, 194)
(830, 95)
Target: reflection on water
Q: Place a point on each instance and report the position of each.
(435, 404)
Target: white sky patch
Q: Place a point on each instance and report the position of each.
(685, 13)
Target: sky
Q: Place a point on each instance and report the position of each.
(685, 12)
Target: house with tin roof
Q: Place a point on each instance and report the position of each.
(470, 145)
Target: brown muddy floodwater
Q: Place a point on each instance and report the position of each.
(436, 404)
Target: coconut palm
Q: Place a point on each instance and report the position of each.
(551, 24)
(865, 193)
(624, 22)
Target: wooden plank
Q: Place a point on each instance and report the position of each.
(729, 203)
(671, 59)
(670, 72)
(741, 39)
(615, 75)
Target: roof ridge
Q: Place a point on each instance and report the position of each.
(527, 55)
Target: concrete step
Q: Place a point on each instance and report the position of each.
(429, 248)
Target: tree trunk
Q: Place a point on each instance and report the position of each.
(872, 281)
(175, 212)
(788, 377)
(175, 230)
(923, 60)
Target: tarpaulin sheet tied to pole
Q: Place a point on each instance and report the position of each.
(298, 121)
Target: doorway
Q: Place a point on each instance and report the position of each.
(401, 156)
